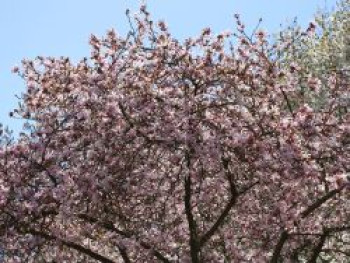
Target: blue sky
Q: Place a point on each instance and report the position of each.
(62, 27)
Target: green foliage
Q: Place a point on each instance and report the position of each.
(322, 51)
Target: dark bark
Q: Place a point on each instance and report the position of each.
(279, 246)
(72, 245)
(318, 249)
(109, 226)
(320, 201)
(194, 244)
(124, 255)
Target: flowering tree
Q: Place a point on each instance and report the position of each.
(155, 150)
(321, 52)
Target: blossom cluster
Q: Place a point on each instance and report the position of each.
(154, 150)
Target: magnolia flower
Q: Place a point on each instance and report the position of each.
(311, 28)
(156, 148)
(261, 34)
(341, 178)
(314, 84)
(15, 69)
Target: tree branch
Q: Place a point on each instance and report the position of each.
(72, 245)
(229, 205)
(277, 251)
(336, 251)
(284, 235)
(133, 123)
(318, 249)
(218, 222)
(289, 105)
(194, 246)
(109, 226)
(320, 201)
(124, 255)
(234, 195)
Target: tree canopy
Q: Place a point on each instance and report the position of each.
(157, 150)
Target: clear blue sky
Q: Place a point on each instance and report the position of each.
(62, 27)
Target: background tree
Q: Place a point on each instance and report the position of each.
(322, 51)
(155, 150)
(323, 54)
